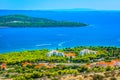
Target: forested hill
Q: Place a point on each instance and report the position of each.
(26, 21)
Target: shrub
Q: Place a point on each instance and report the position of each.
(109, 68)
(113, 78)
(19, 78)
(98, 77)
(7, 75)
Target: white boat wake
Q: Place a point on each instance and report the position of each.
(43, 45)
(61, 43)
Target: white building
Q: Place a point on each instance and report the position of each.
(55, 53)
(87, 51)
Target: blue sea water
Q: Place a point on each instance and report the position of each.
(103, 30)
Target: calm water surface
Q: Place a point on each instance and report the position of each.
(104, 30)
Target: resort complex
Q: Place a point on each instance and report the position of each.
(87, 51)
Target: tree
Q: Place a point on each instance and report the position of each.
(98, 77)
(113, 78)
(109, 68)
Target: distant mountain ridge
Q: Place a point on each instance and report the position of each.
(75, 9)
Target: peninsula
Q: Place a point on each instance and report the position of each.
(27, 21)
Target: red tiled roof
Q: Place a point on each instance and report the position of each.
(44, 65)
(88, 65)
(112, 63)
(109, 63)
(40, 65)
(49, 66)
(3, 65)
(26, 63)
(115, 60)
(37, 66)
(70, 54)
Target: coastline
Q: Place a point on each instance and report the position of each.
(34, 49)
(3, 27)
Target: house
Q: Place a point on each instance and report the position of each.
(70, 55)
(24, 64)
(55, 53)
(3, 66)
(50, 65)
(112, 63)
(88, 65)
(46, 65)
(101, 63)
(40, 65)
(105, 64)
(87, 51)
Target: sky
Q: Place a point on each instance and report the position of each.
(59, 4)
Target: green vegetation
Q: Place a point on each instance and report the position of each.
(26, 21)
(108, 53)
(29, 65)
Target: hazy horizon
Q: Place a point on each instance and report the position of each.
(70, 9)
(59, 4)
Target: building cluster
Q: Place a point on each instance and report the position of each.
(57, 53)
(112, 63)
(40, 65)
(70, 54)
(87, 51)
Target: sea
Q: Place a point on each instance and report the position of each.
(103, 30)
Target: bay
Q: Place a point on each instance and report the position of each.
(103, 30)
